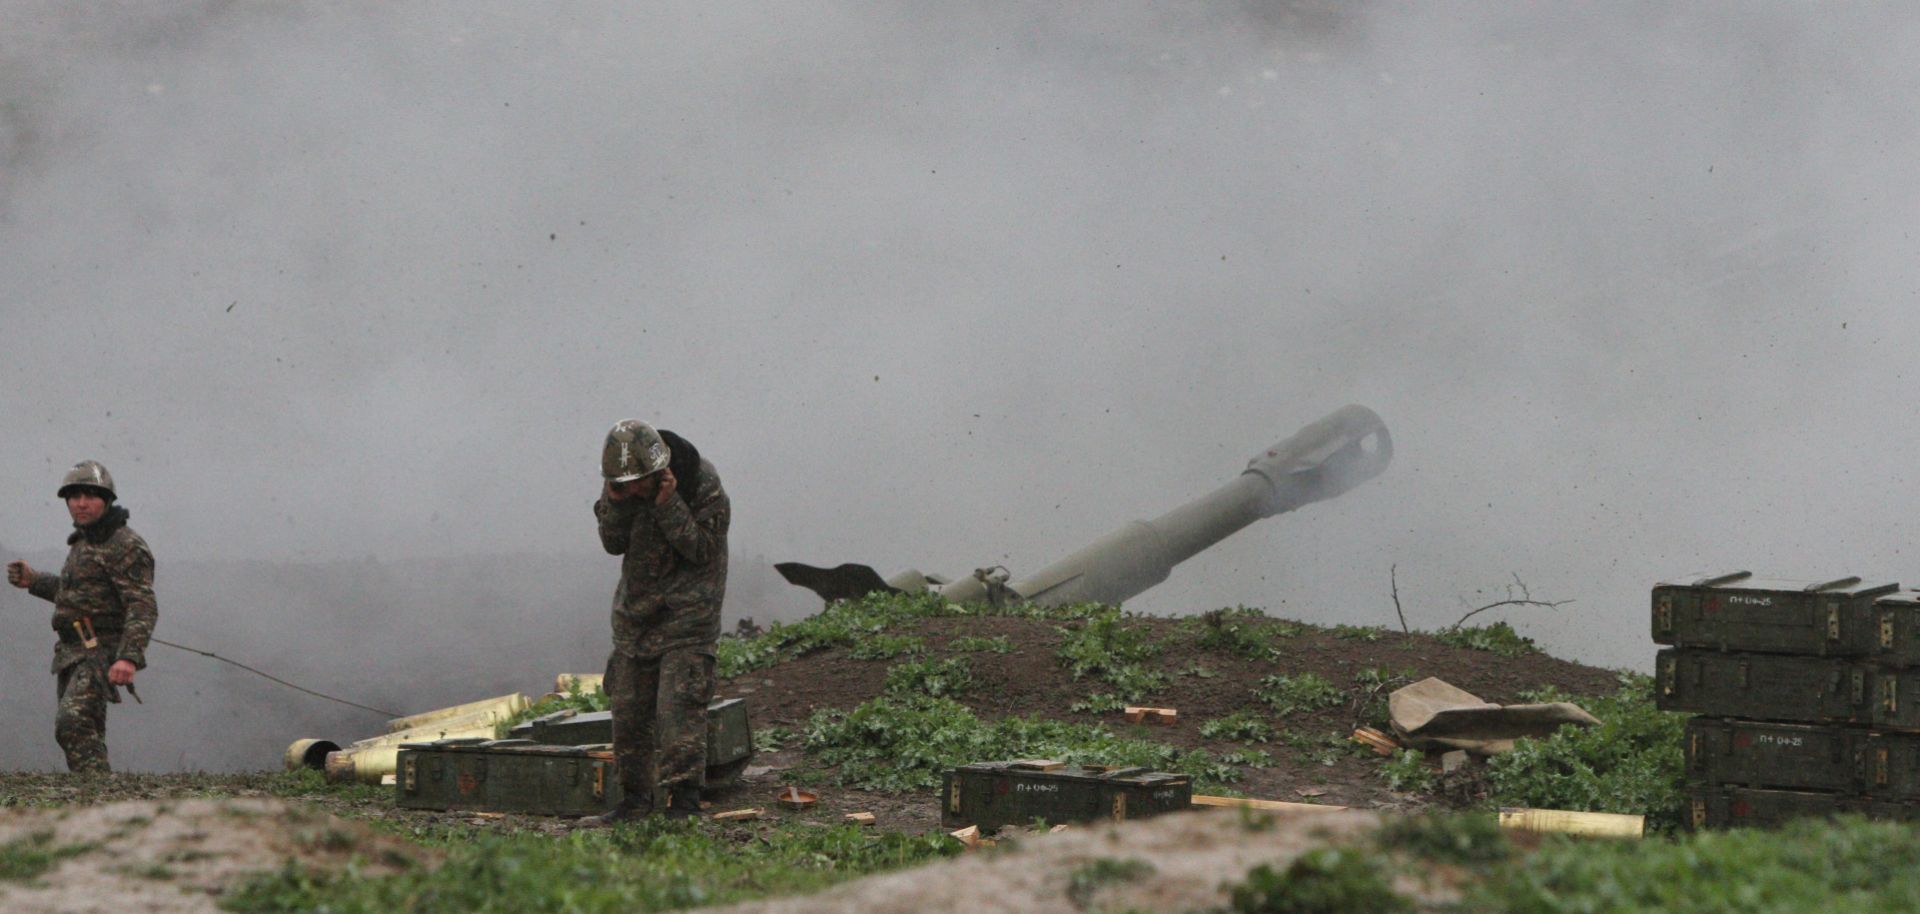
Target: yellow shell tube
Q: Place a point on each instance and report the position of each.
(589, 682)
(509, 704)
(441, 729)
(368, 764)
(1598, 824)
(309, 753)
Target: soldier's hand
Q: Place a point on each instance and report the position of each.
(121, 673)
(667, 486)
(19, 574)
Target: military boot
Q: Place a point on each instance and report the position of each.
(683, 802)
(624, 811)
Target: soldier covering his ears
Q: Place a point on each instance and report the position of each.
(103, 613)
(663, 511)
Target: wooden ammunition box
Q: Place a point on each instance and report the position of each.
(506, 776)
(729, 735)
(1897, 636)
(1738, 612)
(1760, 754)
(1764, 686)
(1735, 807)
(996, 794)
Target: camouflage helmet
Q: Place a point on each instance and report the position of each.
(88, 474)
(633, 450)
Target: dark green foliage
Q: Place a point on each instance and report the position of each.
(887, 647)
(1498, 638)
(1374, 685)
(1099, 703)
(1238, 630)
(1247, 758)
(1321, 881)
(1468, 839)
(1242, 725)
(1366, 633)
(1089, 878)
(1632, 763)
(932, 678)
(1304, 692)
(850, 622)
(1408, 772)
(308, 783)
(1107, 648)
(1851, 866)
(908, 743)
(30, 857)
(972, 643)
(651, 866)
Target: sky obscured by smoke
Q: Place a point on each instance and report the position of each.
(1633, 286)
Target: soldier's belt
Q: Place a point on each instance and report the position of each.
(69, 636)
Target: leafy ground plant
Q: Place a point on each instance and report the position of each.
(1498, 638)
(651, 866)
(1243, 725)
(1321, 881)
(1091, 877)
(1293, 694)
(887, 647)
(28, 858)
(968, 644)
(932, 678)
(1633, 762)
(1408, 772)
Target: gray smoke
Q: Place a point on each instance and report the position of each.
(345, 295)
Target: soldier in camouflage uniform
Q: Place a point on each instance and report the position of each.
(665, 514)
(103, 612)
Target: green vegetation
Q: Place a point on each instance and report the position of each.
(28, 858)
(1463, 839)
(932, 678)
(651, 866)
(1245, 726)
(1498, 638)
(908, 743)
(968, 644)
(1853, 866)
(1105, 647)
(1305, 692)
(1366, 633)
(848, 623)
(887, 647)
(1089, 878)
(1238, 630)
(1099, 703)
(1374, 684)
(1633, 762)
(1408, 772)
(308, 783)
(1321, 881)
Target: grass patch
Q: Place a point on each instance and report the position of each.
(27, 859)
(307, 784)
(1105, 647)
(1364, 633)
(1498, 638)
(1099, 703)
(899, 743)
(848, 623)
(1408, 772)
(932, 678)
(1634, 762)
(1321, 881)
(1293, 694)
(887, 647)
(652, 866)
(1245, 726)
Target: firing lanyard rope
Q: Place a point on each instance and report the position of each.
(195, 650)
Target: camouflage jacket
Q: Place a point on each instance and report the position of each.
(108, 577)
(673, 568)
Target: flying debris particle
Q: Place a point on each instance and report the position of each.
(230, 306)
(876, 377)
(551, 236)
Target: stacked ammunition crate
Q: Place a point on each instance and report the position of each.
(1808, 696)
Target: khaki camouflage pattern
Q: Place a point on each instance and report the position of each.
(660, 722)
(673, 568)
(109, 583)
(80, 727)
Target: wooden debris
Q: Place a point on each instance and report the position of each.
(739, 815)
(1270, 805)
(1057, 829)
(1310, 791)
(1378, 741)
(859, 818)
(388, 780)
(1037, 764)
(1165, 717)
(969, 836)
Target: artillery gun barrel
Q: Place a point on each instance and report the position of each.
(1321, 461)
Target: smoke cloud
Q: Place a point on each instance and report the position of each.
(345, 296)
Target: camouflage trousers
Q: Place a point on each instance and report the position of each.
(659, 722)
(80, 727)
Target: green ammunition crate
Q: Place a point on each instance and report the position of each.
(1738, 612)
(1758, 754)
(1734, 807)
(996, 794)
(1897, 640)
(729, 735)
(1764, 686)
(506, 776)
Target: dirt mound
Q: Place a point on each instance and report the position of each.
(1312, 757)
(172, 855)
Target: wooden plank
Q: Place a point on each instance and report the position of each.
(1165, 717)
(739, 815)
(1271, 805)
(859, 818)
